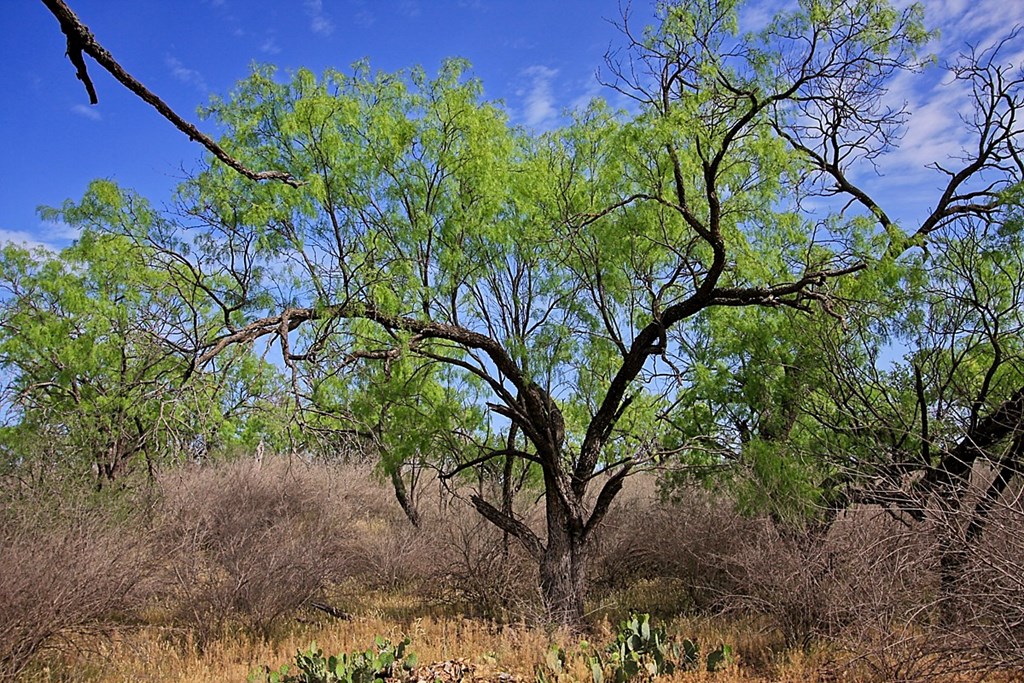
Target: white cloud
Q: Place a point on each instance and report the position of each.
(755, 17)
(538, 98)
(51, 236)
(23, 238)
(319, 23)
(185, 75)
(938, 102)
(87, 111)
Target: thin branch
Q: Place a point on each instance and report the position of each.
(80, 40)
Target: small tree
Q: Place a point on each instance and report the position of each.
(90, 343)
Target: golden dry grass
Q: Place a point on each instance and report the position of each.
(156, 655)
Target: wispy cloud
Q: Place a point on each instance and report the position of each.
(938, 102)
(978, 22)
(364, 18)
(589, 90)
(185, 75)
(754, 17)
(58, 231)
(88, 112)
(270, 46)
(319, 23)
(538, 97)
(410, 8)
(51, 235)
(520, 43)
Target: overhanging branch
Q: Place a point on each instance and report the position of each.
(81, 40)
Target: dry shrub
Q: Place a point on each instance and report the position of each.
(975, 630)
(249, 544)
(245, 543)
(60, 576)
(380, 546)
(983, 622)
(994, 585)
(683, 545)
(867, 574)
(487, 575)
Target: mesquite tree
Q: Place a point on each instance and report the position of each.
(544, 292)
(90, 350)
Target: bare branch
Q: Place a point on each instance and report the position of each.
(81, 40)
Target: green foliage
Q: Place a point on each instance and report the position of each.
(374, 665)
(695, 281)
(95, 343)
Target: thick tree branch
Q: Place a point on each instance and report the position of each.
(1005, 472)
(773, 294)
(487, 457)
(955, 466)
(608, 493)
(525, 534)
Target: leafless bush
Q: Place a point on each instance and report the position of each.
(245, 543)
(58, 577)
(984, 616)
(687, 542)
(866, 574)
(486, 574)
(379, 546)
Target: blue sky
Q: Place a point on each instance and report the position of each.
(538, 56)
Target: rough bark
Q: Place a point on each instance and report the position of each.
(563, 580)
(563, 566)
(404, 500)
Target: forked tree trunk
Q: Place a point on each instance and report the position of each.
(562, 558)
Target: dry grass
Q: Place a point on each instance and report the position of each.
(150, 655)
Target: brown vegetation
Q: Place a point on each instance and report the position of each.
(61, 576)
(219, 573)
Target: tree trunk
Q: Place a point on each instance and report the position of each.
(406, 502)
(563, 564)
(562, 559)
(563, 579)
